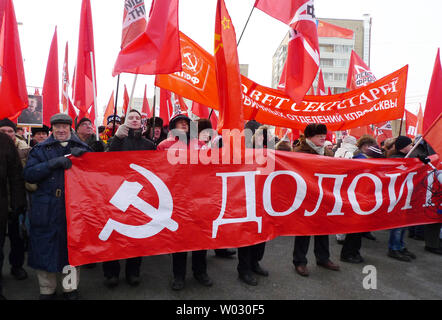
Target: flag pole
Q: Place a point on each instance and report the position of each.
(95, 94)
(210, 114)
(115, 105)
(245, 26)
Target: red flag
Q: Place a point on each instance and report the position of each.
(282, 10)
(109, 109)
(166, 107)
(72, 112)
(433, 107)
(359, 73)
(156, 49)
(432, 135)
(227, 71)
(360, 131)
(329, 91)
(420, 120)
(125, 101)
(83, 92)
(410, 124)
(13, 93)
(321, 85)
(65, 79)
(145, 111)
(326, 30)
(200, 110)
(51, 96)
(134, 21)
(36, 92)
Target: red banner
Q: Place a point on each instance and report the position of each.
(145, 204)
(379, 101)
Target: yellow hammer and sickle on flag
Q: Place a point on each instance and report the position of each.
(218, 38)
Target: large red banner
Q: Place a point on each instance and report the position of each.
(155, 202)
(376, 102)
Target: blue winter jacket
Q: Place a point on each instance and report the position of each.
(47, 234)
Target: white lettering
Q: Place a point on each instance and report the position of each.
(352, 195)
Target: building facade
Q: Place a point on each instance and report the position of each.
(334, 53)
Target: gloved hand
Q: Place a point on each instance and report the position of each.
(97, 146)
(60, 162)
(424, 159)
(76, 151)
(16, 213)
(122, 131)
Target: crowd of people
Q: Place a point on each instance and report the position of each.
(32, 207)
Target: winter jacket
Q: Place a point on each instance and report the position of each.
(48, 235)
(174, 143)
(132, 142)
(12, 184)
(303, 147)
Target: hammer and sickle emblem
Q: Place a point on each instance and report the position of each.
(127, 195)
(191, 65)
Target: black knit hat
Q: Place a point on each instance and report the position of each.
(111, 119)
(34, 131)
(174, 120)
(81, 121)
(401, 142)
(315, 128)
(8, 123)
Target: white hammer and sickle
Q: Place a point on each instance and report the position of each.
(127, 195)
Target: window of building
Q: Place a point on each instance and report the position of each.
(326, 62)
(339, 48)
(339, 76)
(326, 48)
(328, 76)
(340, 63)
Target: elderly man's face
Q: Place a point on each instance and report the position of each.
(61, 131)
(318, 139)
(32, 104)
(9, 131)
(85, 128)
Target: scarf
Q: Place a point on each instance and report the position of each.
(318, 150)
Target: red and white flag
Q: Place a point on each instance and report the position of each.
(359, 73)
(200, 110)
(13, 93)
(154, 49)
(410, 124)
(302, 62)
(432, 135)
(51, 97)
(65, 81)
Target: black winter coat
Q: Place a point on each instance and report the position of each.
(132, 142)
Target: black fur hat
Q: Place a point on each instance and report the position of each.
(315, 128)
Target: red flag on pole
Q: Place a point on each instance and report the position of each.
(410, 124)
(166, 107)
(432, 135)
(51, 97)
(420, 120)
(145, 111)
(83, 92)
(359, 73)
(227, 71)
(200, 110)
(321, 85)
(125, 101)
(72, 112)
(302, 62)
(13, 93)
(154, 50)
(433, 107)
(109, 109)
(65, 81)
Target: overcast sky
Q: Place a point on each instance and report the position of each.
(403, 32)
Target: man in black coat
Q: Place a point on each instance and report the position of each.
(12, 189)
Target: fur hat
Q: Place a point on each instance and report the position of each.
(349, 140)
(401, 142)
(8, 123)
(34, 131)
(158, 122)
(314, 129)
(366, 139)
